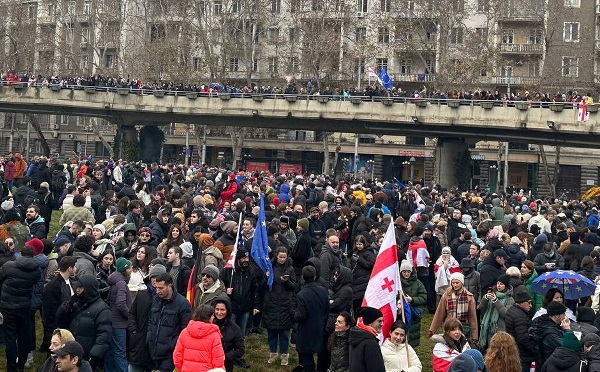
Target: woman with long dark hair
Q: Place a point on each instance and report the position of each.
(174, 239)
(140, 264)
(231, 335)
(338, 343)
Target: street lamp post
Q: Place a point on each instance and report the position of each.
(371, 164)
(412, 161)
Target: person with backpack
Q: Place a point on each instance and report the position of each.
(24, 196)
(13, 228)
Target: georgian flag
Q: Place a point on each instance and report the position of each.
(582, 114)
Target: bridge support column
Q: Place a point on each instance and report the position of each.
(446, 153)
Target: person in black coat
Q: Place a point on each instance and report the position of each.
(566, 358)
(518, 321)
(139, 314)
(17, 279)
(56, 292)
(361, 264)
(311, 310)
(549, 330)
(88, 318)
(279, 306)
(492, 268)
(303, 249)
(365, 354)
(242, 289)
(232, 337)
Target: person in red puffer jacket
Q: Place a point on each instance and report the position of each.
(199, 346)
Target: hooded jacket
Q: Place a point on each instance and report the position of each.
(310, 314)
(88, 318)
(365, 354)
(20, 165)
(416, 290)
(232, 338)
(199, 348)
(564, 360)
(341, 296)
(361, 271)
(17, 279)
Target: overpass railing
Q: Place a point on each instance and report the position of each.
(258, 96)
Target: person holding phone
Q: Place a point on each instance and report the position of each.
(279, 306)
(548, 260)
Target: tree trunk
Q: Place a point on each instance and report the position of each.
(237, 142)
(338, 148)
(36, 126)
(95, 127)
(551, 180)
(326, 162)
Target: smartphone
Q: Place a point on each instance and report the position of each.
(286, 276)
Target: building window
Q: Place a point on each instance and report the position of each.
(410, 5)
(85, 34)
(571, 32)
(294, 64)
(316, 6)
(234, 64)
(236, 6)
(483, 5)
(535, 36)
(429, 65)
(294, 34)
(386, 5)
(570, 66)
(381, 63)
(456, 35)
(275, 6)
(109, 60)
(362, 6)
(255, 65)
(383, 35)
(218, 6)
(572, 3)
(508, 36)
(32, 11)
(197, 63)
(482, 33)
(294, 6)
(272, 64)
(534, 68)
(458, 5)
(406, 66)
(361, 33)
(84, 62)
(273, 35)
(87, 7)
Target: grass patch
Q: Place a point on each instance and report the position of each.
(257, 348)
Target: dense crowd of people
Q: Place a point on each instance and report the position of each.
(310, 88)
(154, 268)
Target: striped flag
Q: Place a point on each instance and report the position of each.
(371, 73)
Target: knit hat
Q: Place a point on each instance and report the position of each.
(122, 264)
(7, 205)
(405, 265)
(467, 263)
(446, 250)
(100, 228)
(571, 342)
(369, 314)
(157, 270)
(466, 218)
(212, 271)
(541, 239)
(477, 357)
(500, 252)
(227, 226)
(37, 245)
(419, 231)
(241, 253)
(457, 276)
(504, 279)
(61, 241)
(463, 363)
(186, 249)
(590, 339)
(515, 240)
(522, 296)
(556, 308)
(303, 223)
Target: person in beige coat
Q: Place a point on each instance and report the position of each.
(397, 354)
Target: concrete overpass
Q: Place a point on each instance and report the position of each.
(470, 120)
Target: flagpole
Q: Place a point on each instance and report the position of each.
(237, 240)
(401, 302)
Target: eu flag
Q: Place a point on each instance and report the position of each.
(260, 244)
(386, 81)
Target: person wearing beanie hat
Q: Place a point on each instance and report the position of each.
(119, 301)
(303, 223)
(226, 241)
(156, 270)
(477, 358)
(494, 305)
(416, 295)
(445, 265)
(365, 353)
(566, 358)
(589, 340)
(210, 286)
(456, 295)
(517, 323)
(555, 308)
(463, 363)
(310, 314)
(37, 245)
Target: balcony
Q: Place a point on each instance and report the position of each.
(46, 20)
(521, 15)
(521, 48)
(422, 78)
(514, 80)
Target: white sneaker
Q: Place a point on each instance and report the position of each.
(29, 362)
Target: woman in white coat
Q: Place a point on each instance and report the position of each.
(398, 355)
